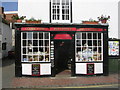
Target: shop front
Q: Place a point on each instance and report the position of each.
(47, 49)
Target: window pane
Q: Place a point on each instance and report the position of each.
(35, 50)
(47, 50)
(24, 42)
(58, 17)
(46, 42)
(35, 57)
(94, 42)
(24, 50)
(29, 42)
(24, 35)
(83, 35)
(40, 42)
(89, 42)
(35, 42)
(63, 11)
(94, 35)
(99, 42)
(78, 42)
(29, 50)
(35, 36)
(46, 57)
(29, 35)
(83, 42)
(67, 2)
(41, 57)
(46, 35)
(63, 17)
(99, 35)
(25, 58)
(40, 35)
(30, 58)
(41, 49)
(89, 35)
(78, 35)
(99, 50)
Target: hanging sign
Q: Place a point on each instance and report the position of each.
(114, 48)
(34, 29)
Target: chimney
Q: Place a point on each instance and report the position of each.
(2, 12)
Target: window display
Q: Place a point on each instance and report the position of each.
(113, 48)
(89, 46)
(35, 46)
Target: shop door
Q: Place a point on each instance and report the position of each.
(63, 55)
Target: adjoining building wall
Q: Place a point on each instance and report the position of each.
(6, 38)
(0, 39)
(81, 10)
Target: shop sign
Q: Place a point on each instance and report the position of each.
(90, 29)
(34, 29)
(114, 48)
(62, 29)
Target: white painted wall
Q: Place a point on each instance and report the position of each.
(6, 33)
(82, 10)
(38, 9)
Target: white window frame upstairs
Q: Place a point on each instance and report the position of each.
(60, 5)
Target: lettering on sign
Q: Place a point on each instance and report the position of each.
(62, 29)
(34, 29)
(90, 29)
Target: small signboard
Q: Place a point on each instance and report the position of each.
(114, 48)
(35, 69)
(90, 69)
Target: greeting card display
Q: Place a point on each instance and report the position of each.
(35, 69)
(90, 69)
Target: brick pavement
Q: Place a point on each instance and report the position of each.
(38, 82)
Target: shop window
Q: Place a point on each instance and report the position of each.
(35, 46)
(89, 46)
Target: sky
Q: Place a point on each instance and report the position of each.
(8, 0)
(9, 5)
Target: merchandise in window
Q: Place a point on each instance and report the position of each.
(35, 47)
(89, 46)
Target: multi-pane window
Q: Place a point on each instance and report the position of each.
(56, 10)
(60, 9)
(35, 46)
(65, 10)
(89, 46)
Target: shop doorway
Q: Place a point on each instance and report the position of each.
(63, 56)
